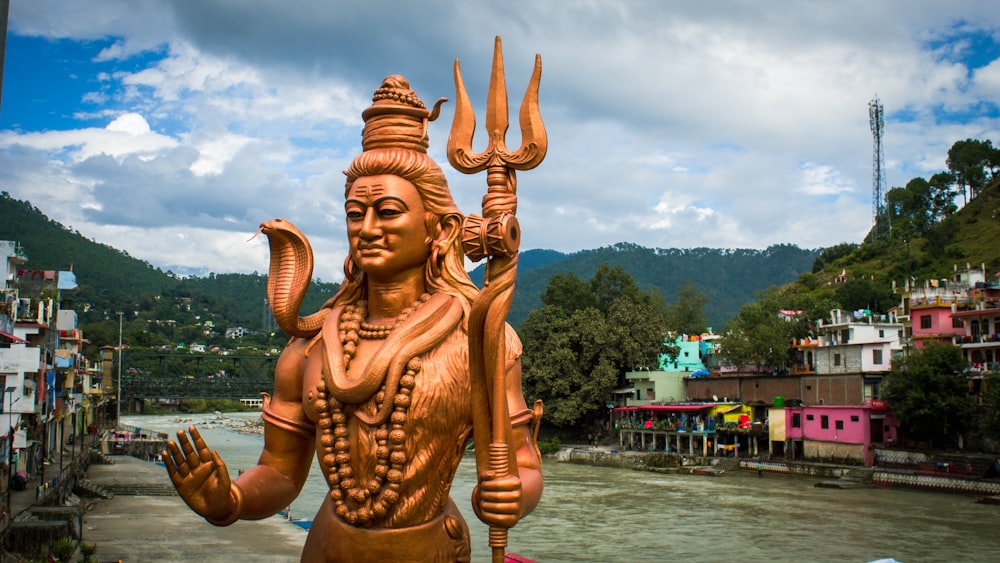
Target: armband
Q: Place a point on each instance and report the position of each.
(302, 428)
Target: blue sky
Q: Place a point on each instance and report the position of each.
(172, 129)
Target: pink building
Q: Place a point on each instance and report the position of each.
(932, 320)
(837, 432)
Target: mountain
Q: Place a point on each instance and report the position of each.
(110, 280)
(729, 278)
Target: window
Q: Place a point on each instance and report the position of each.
(796, 420)
(926, 321)
(836, 359)
(854, 418)
(871, 390)
(845, 335)
(877, 356)
(838, 424)
(957, 323)
(809, 417)
(881, 333)
(824, 421)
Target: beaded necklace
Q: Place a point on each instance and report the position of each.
(370, 500)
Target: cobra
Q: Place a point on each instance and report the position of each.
(288, 278)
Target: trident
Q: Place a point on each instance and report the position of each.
(495, 236)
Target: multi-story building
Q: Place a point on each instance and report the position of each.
(839, 370)
(50, 390)
(980, 338)
(665, 384)
(963, 311)
(21, 369)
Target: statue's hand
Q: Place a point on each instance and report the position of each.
(497, 501)
(201, 477)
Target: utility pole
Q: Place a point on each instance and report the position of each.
(118, 387)
(4, 13)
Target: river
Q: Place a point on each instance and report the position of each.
(620, 515)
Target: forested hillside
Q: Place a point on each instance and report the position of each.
(728, 278)
(110, 280)
(158, 306)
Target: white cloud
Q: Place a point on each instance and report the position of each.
(217, 152)
(823, 179)
(716, 124)
(127, 135)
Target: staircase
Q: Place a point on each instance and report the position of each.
(728, 464)
(86, 488)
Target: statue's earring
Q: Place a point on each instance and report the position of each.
(435, 262)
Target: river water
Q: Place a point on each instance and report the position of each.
(620, 515)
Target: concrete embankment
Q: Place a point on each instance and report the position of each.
(146, 521)
(841, 476)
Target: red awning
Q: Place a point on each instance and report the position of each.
(12, 338)
(668, 408)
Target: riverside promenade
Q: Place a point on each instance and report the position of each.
(144, 520)
(156, 525)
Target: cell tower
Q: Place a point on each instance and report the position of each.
(879, 228)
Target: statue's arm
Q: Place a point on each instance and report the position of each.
(523, 421)
(502, 501)
(289, 437)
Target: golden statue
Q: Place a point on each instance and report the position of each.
(386, 383)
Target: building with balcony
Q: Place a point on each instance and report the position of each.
(980, 341)
(50, 390)
(667, 383)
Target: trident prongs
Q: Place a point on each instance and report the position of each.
(534, 141)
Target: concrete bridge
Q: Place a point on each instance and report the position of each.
(172, 377)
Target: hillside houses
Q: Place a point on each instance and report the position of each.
(828, 404)
(51, 392)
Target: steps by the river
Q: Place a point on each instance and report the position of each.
(86, 488)
(140, 478)
(142, 489)
(728, 464)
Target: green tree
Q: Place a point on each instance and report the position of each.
(565, 362)
(831, 254)
(973, 163)
(568, 292)
(609, 284)
(687, 314)
(761, 335)
(929, 394)
(575, 356)
(638, 335)
(942, 195)
(910, 209)
(990, 421)
(860, 293)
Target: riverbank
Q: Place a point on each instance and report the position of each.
(591, 505)
(826, 474)
(146, 521)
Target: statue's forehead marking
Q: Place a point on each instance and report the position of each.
(370, 191)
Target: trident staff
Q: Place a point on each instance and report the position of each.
(495, 236)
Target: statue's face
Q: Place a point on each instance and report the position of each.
(385, 226)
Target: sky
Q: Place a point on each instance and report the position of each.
(171, 130)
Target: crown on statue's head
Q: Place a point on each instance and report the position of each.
(397, 117)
